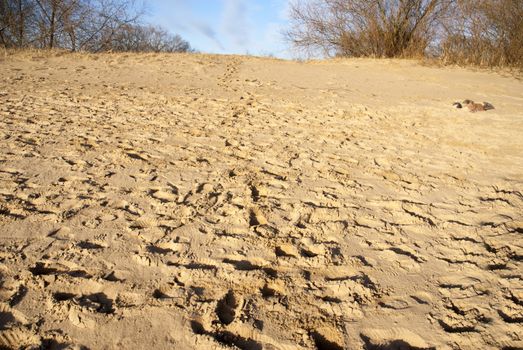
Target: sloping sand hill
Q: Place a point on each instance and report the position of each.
(217, 202)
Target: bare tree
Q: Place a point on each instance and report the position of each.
(87, 25)
(147, 39)
(485, 32)
(103, 21)
(380, 28)
(50, 14)
(78, 24)
(15, 22)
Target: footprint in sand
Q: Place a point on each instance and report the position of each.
(394, 338)
(164, 196)
(14, 330)
(327, 338)
(18, 338)
(287, 250)
(228, 307)
(11, 290)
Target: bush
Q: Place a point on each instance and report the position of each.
(482, 32)
(378, 28)
(486, 33)
(141, 38)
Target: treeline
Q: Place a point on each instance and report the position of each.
(479, 32)
(82, 25)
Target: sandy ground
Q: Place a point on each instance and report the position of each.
(218, 202)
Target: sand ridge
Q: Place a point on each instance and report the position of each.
(194, 201)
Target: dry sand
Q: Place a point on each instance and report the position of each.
(217, 202)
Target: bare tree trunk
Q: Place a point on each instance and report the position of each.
(72, 37)
(4, 22)
(92, 25)
(52, 25)
(21, 24)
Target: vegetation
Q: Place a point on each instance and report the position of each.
(82, 25)
(485, 32)
(482, 32)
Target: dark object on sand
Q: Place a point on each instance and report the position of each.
(474, 107)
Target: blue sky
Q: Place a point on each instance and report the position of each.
(225, 26)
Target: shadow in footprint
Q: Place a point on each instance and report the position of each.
(6, 318)
(63, 296)
(52, 344)
(157, 250)
(226, 308)
(323, 343)
(18, 296)
(42, 269)
(242, 265)
(89, 245)
(232, 339)
(197, 328)
(394, 345)
(227, 338)
(98, 302)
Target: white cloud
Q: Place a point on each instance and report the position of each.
(235, 22)
(208, 32)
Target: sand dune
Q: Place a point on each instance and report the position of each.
(216, 202)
